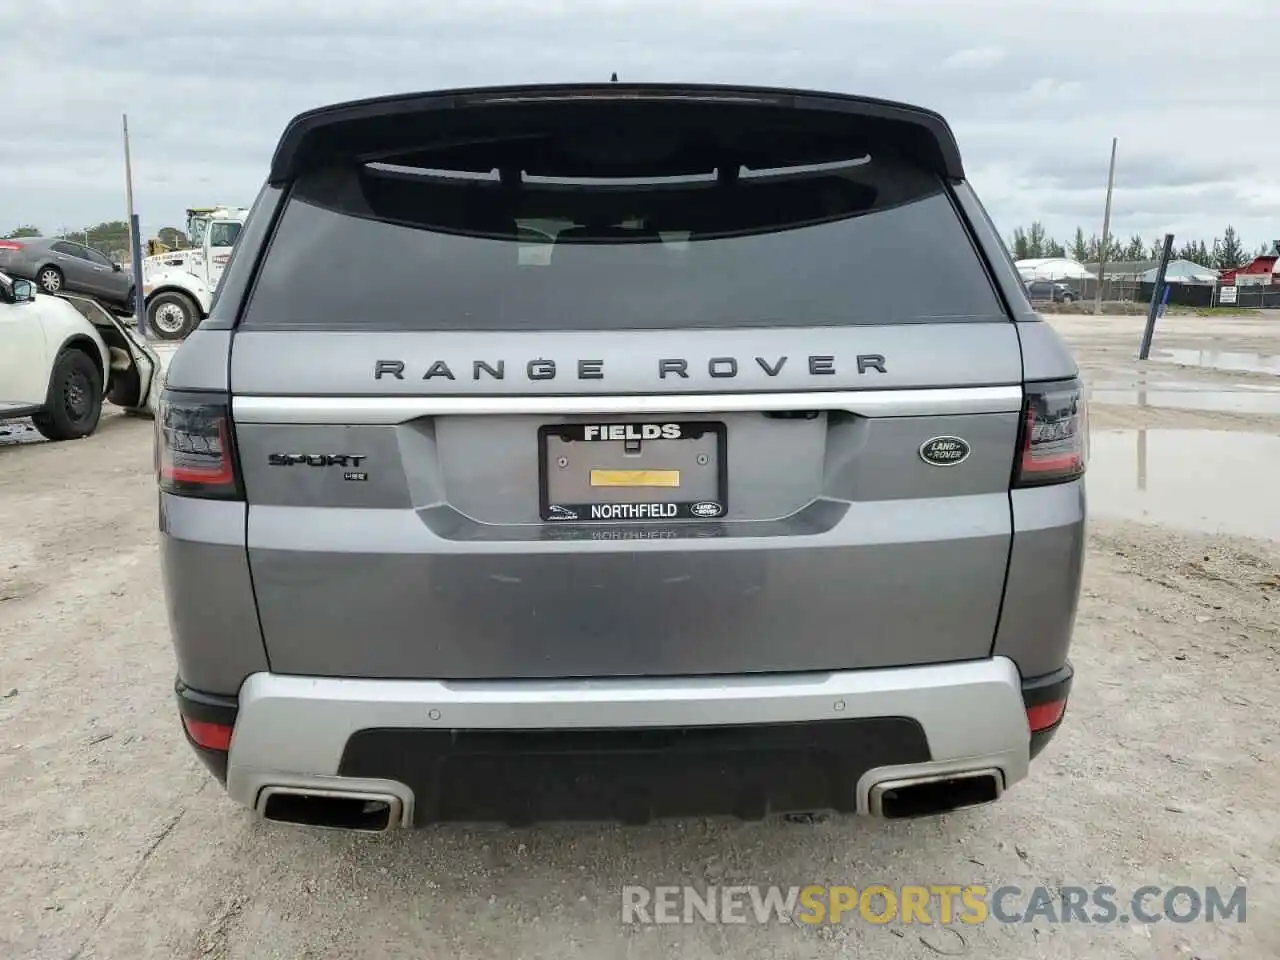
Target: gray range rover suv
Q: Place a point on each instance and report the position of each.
(615, 452)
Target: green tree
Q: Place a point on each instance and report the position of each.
(1137, 248)
(1036, 238)
(1033, 242)
(1019, 245)
(1229, 251)
(1079, 247)
(1114, 251)
(26, 230)
(110, 235)
(171, 237)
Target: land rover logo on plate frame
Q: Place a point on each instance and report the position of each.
(944, 451)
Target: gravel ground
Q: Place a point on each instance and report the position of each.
(115, 843)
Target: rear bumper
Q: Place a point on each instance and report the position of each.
(529, 750)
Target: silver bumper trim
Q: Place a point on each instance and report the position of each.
(292, 730)
(393, 410)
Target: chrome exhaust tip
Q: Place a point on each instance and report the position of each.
(357, 811)
(933, 794)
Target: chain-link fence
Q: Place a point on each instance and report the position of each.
(1253, 296)
(1246, 296)
(1113, 290)
(1085, 289)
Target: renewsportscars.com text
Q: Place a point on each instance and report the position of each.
(929, 904)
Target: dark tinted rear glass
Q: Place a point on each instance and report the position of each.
(872, 240)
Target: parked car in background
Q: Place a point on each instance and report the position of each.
(59, 265)
(1043, 291)
(62, 355)
(647, 478)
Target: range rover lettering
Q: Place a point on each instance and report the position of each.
(719, 368)
(682, 490)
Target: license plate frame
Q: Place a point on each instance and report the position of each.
(710, 435)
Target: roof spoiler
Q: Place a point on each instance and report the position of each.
(360, 130)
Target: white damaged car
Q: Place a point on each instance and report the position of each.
(62, 356)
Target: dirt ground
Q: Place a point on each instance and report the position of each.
(114, 842)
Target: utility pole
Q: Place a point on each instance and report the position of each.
(1106, 231)
(128, 176)
(135, 237)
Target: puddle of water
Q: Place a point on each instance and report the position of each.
(1213, 401)
(1222, 360)
(1211, 481)
(19, 431)
(1188, 386)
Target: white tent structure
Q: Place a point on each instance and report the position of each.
(1182, 271)
(1052, 268)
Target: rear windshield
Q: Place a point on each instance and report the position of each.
(870, 240)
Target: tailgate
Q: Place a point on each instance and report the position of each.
(570, 389)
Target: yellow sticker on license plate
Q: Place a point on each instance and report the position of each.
(635, 478)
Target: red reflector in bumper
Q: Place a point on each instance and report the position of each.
(1045, 715)
(213, 736)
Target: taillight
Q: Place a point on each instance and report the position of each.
(10, 245)
(1045, 715)
(211, 736)
(1053, 442)
(195, 456)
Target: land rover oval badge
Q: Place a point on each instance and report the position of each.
(944, 451)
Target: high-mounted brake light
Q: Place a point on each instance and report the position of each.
(1053, 442)
(194, 453)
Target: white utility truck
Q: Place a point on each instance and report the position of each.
(178, 285)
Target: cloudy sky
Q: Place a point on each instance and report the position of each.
(1035, 90)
